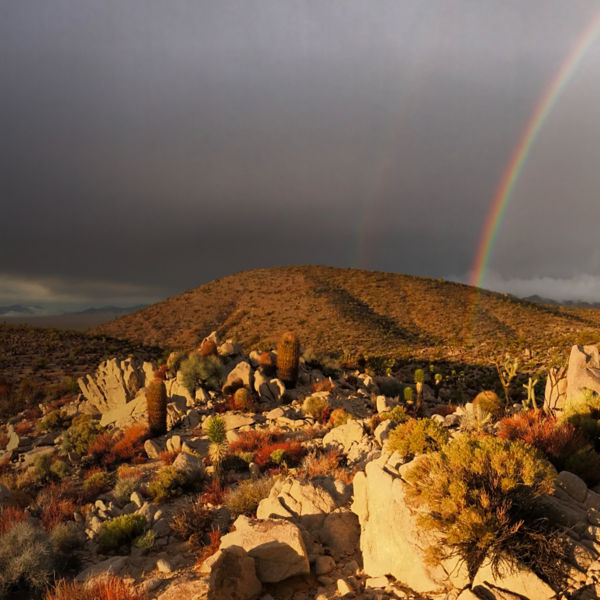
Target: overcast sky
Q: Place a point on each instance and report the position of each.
(147, 147)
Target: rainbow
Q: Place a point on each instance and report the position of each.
(519, 156)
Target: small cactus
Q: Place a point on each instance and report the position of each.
(288, 357)
(156, 402)
(419, 379)
(243, 399)
(408, 395)
(208, 348)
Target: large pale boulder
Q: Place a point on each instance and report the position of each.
(276, 546)
(390, 539)
(514, 578)
(241, 371)
(269, 389)
(583, 372)
(115, 383)
(231, 575)
(345, 435)
(123, 415)
(307, 501)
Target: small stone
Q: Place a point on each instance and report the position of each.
(375, 583)
(164, 566)
(344, 587)
(152, 448)
(174, 444)
(324, 565)
(137, 499)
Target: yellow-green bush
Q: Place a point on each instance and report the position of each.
(168, 483)
(244, 499)
(489, 402)
(478, 493)
(417, 436)
(81, 434)
(120, 531)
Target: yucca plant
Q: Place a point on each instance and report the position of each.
(288, 358)
(218, 449)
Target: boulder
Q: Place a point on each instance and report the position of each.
(514, 578)
(233, 421)
(269, 390)
(344, 435)
(231, 575)
(390, 539)
(123, 415)
(583, 373)
(307, 501)
(153, 449)
(115, 383)
(340, 532)
(243, 372)
(13, 439)
(191, 465)
(276, 546)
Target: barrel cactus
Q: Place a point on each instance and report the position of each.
(288, 357)
(156, 401)
(208, 348)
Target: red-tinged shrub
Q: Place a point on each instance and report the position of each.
(131, 443)
(211, 548)
(101, 447)
(106, 588)
(254, 440)
(168, 457)
(56, 503)
(214, 493)
(557, 440)
(3, 440)
(294, 451)
(10, 516)
(23, 428)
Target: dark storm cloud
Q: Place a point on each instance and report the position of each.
(159, 145)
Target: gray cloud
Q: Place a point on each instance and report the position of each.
(161, 145)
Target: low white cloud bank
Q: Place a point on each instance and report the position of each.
(48, 294)
(581, 287)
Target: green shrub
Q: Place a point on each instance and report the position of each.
(124, 488)
(397, 415)
(60, 469)
(489, 402)
(120, 531)
(316, 406)
(97, 482)
(244, 499)
(56, 419)
(168, 483)
(215, 429)
(67, 537)
(417, 436)
(81, 434)
(25, 557)
(339, 417)
(41, 468)
(478, 494)
(145, 541)
(205, 371)
(586, 464)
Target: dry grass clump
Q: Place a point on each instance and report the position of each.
(417, 436)
(191, 522)
(109, 587)
(244, 499)
(478, 493)
(168, 483)
(10, 516)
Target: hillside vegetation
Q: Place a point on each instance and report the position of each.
(350, 310)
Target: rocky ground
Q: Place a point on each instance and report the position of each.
(303, 499)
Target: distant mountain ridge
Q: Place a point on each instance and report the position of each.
(350, 310)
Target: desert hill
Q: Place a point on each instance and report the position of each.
(346, 310)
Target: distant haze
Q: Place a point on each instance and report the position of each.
(147, 147)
